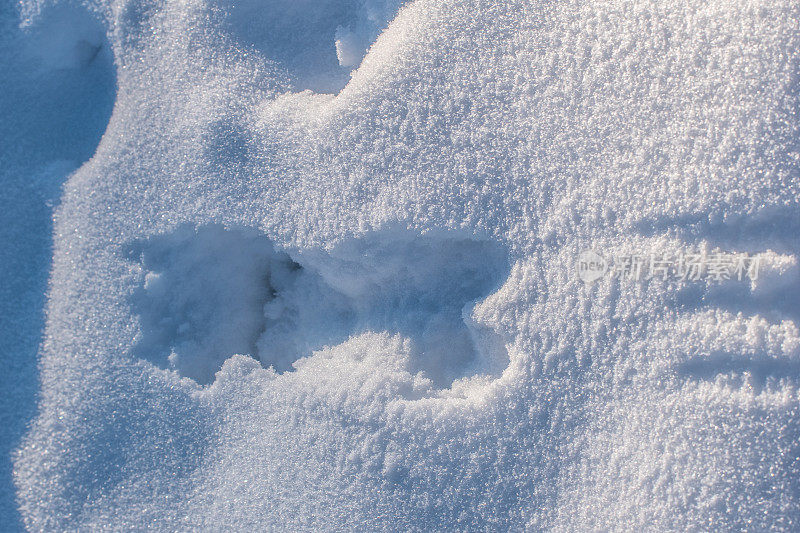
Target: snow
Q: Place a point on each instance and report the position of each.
(52, 114)
(319, 271)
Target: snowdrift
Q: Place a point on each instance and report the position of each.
(319, 273)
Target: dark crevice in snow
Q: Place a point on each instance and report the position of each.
(780, 228)
(759, 369)
(775, 302)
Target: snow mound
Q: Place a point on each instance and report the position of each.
(274, 308)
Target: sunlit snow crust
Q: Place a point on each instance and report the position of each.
(475, 140)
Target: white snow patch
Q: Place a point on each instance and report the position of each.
(436, 363)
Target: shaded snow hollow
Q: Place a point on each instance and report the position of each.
(276, 307)
(211, 293)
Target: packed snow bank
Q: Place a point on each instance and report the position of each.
(502, 139)
(55, 102)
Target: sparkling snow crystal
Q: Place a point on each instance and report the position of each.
(320, 272)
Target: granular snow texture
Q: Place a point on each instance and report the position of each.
(296, 289)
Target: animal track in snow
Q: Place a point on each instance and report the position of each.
(210, 293)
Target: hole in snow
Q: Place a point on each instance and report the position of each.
(424, 288)
(211, 293)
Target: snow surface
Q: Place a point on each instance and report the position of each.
(54, 105)
(297, 289)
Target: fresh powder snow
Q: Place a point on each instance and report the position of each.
(433, 265)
